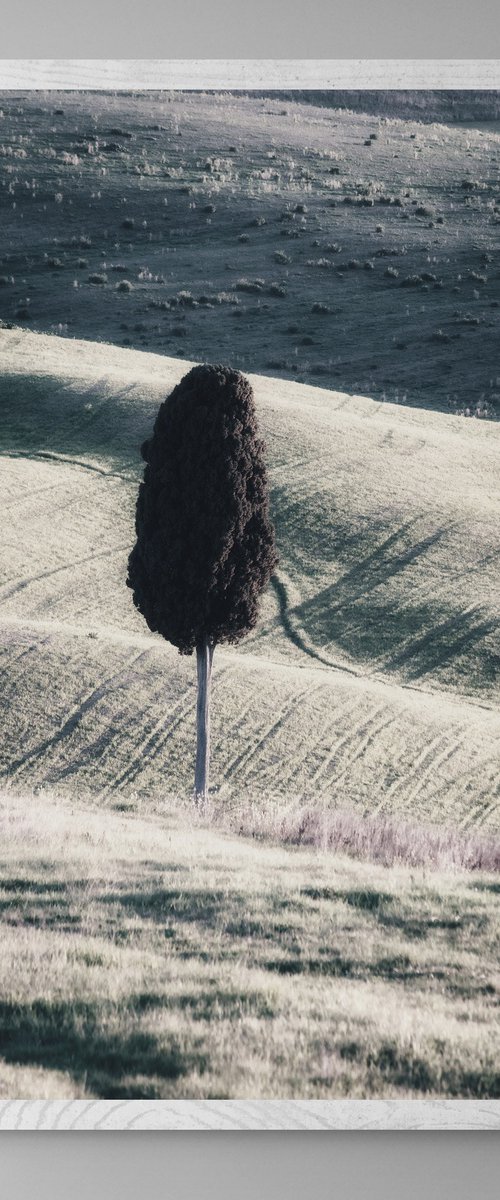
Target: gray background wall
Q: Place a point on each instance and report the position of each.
(250, 29)
(250, 1166)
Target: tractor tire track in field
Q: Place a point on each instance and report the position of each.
(451, 747)
(14, 659)
(425, 756)
(80, 463)
(342, 743)
(154, 740)
(330, 755)
(305, 749)
(368, 732)
(9, 590)
(312, 749)
(160, 734)
(267, 774)
(245, 756)
(491, 786)
(73, 720)
(490, 807)
(483, 777)
(29, 496)
(297, 708)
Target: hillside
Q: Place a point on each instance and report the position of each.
(416, 104)
(373, 679)
(149, 957)
(317, 244)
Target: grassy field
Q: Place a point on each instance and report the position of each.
(372, 679)
(274, 231)
(150, 956)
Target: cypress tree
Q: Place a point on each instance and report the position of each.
(205, 545)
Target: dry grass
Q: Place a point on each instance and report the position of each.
(378, 838)
(158, 958)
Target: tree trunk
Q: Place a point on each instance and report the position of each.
(204, 656)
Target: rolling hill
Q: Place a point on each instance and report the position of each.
(357, 250)
(372, 681)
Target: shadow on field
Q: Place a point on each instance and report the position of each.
(391, 1064)
(366, 899)
(331, 964)
(43, 414)
(29, 885)
(40, 905)
(203, 905)
(397, 636)
(85, 1040)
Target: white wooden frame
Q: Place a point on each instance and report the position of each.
(242, 74)
(249, 1114)
(283, 74)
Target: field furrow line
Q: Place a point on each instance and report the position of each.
(9, 590)
(370, 730)
(488, 771)
(350, 737)
(323, 766)
(403, 780)
(160, 735)
(491, 807)
(490, 791)
(233, 726)
(92, 697)
(447, 753)
(13, 660)
(248, 754)
(267, 774)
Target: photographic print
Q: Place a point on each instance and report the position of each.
(249, 601)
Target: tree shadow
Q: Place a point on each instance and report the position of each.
(397, 636)
(304, 526)
(449, 640)
(81, 1039)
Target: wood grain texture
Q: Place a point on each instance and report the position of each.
(250, 1115)
(119, 74)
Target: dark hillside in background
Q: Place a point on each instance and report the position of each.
(414, 105)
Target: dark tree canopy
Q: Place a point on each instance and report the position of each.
(205, 544)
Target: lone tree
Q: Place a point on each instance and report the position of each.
(205, 544)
